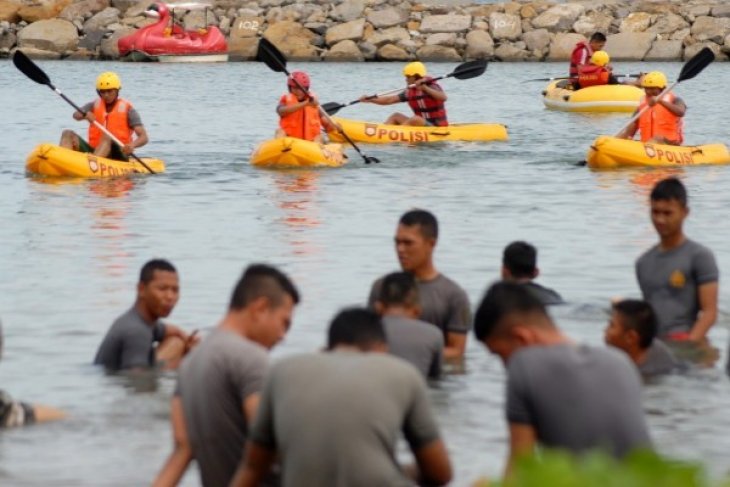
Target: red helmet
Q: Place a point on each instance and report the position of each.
(298, 77)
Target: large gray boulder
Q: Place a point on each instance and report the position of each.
(102, 19)
(593, 22)
(55, 35)
(562, 46)
(41, 54)
(636, 22)
(668, 24)
(136, 9)
(445, 23)
(693, 49)
(390, 52)
(246, 26)
(83, 8)
(505, 26)
(629, 46)
(447, 39)
(721, 10)
(392, 35)
(344, 51)
(710, 29)
(438, 54)
(537, 40)
(242, 48)
(479, 45)
(389, 17)
(294, 41)
(665, 50)
(348, 10)
(559, 18)
(109, 48)
(510, 52)
(348, 31)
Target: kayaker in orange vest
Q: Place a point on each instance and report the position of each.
(299, 111)
(661, 123)
(113, 112)
(424, 96)
(583, 51)
(597, 72)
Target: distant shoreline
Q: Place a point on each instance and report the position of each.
(384, 30)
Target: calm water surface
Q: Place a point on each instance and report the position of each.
(70, 252)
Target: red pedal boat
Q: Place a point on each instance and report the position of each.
(167, 41)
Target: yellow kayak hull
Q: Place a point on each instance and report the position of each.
(597, 99)
(380, 133)
(53, 160)
(293, 152)
(612, 153)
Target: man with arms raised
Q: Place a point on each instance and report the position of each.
(678, 277)
(218, 386)
(416, 341)
(130, 342)
(443, 302)
(559, 394)
(334, 418)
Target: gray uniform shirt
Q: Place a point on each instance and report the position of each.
(669, 281)
(130, 342)
(659, 360)
(443, 303)
(416, 341)
(577, 397)
(214, 380)
(335, 418)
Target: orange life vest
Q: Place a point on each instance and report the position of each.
(658, 121)
(592, 75)
(302, 124)
(116, 121)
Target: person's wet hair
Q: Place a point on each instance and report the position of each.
(502, 299)
(358, 327)
(424, 219)
(639, 316)
(669, 189)
(148, 270)
(399, 289)
(598, 36)
(261, 280)
(520, 258)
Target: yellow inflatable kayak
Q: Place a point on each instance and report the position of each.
(292, 152)
(611, 153)
(53, 160)
(605, 98)
(380, 133)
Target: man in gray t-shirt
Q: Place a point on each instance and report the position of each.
(218, 387)
(138, 339)
(678, 276)
(334, 418)
(559, 394)
(413, 340)
(443, 302)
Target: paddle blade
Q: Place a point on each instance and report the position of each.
(470, 69)
(694, 66)
(269, 54)
(332, 107)
(29, 68)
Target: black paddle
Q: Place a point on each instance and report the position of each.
(31, 70)
(691, 68)
(467, 70)
(573, 77)
(275, 60)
